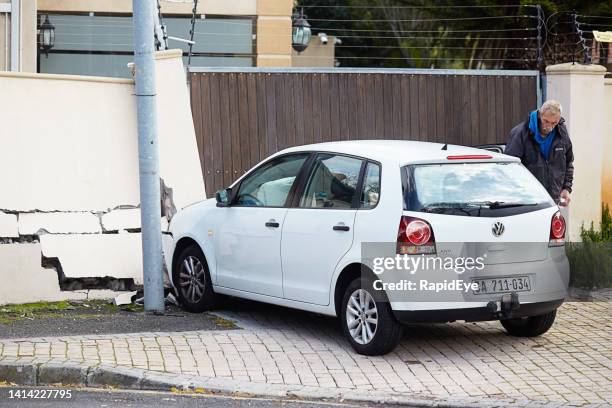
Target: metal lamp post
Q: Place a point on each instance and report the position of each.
(301, 32)
(148, 154)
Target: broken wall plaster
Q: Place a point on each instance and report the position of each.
(121, 219)
(24, 280)
(96, 255)
(67, 175)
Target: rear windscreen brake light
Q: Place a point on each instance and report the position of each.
(469, 157)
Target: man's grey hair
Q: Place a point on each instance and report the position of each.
(551, 106)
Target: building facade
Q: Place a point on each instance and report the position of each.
(94, 37)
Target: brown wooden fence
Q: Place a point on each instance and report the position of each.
(241, 117)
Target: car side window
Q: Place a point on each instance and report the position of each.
(269, 185)
(332, 183)
(371, 186)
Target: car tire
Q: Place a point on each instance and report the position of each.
(529, 326)
(191, 279)
(381, 337)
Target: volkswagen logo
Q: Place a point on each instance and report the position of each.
(498, 229)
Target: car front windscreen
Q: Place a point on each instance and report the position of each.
(475, 189)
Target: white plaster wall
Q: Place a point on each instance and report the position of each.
(59, 223)
(23, 279)
(581, 93)
(73, 141)
(606, 186)
(8, 225)
(82, 256)
(74, 145)
(121, 219)
(179, 162)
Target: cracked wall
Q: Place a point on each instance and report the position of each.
(74, 203)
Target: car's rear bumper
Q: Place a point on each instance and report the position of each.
(474, 314)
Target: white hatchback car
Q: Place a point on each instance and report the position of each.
(293, 232)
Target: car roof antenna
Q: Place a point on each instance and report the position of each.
(445, 147)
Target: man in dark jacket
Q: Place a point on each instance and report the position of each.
(544, 147)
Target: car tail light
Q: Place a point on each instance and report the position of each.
(557, 230)
(415, 236)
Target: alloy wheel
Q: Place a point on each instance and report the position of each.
(192, 279)
(361, 316)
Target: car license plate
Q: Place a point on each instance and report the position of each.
(503, 285)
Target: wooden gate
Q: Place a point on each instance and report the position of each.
(241, 116)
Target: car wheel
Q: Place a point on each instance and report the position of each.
(529, 326)
(368, 324)
(191, 278)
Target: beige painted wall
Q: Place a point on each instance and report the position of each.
(28, 42)
(273, 22)
(606, 186)
(580, 90)
(317, 54)
(274, 41)
(224, 7)
(273, 19)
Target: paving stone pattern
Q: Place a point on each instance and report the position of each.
(572, 363)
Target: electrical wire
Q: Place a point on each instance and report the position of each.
(414, 7)
(324, 29)
(376, 36)
(582, 15)
(245, 55)
(421, 20)
(125, 23)
(428, 47)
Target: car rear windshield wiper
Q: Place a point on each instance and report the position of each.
(445, 207)
(502, 204)
(469, 207)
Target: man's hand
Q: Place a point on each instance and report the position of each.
(565, 198)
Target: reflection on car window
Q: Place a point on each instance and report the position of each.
(269, 185)
(371, 186)
(333, 182)
(463, 185)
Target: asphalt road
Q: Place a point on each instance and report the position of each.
(147, 399)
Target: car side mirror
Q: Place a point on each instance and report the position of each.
(223, 197)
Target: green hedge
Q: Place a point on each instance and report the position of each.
(591, 260)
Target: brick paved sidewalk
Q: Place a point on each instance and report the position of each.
(572, 363)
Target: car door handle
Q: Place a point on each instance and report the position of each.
(341, 228)
(272, 224)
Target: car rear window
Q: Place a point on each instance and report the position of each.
(473, 189)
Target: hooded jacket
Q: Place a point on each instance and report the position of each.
(556, 173)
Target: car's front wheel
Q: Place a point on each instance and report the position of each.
(529, 326)
(368, 324)
(191, 278)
